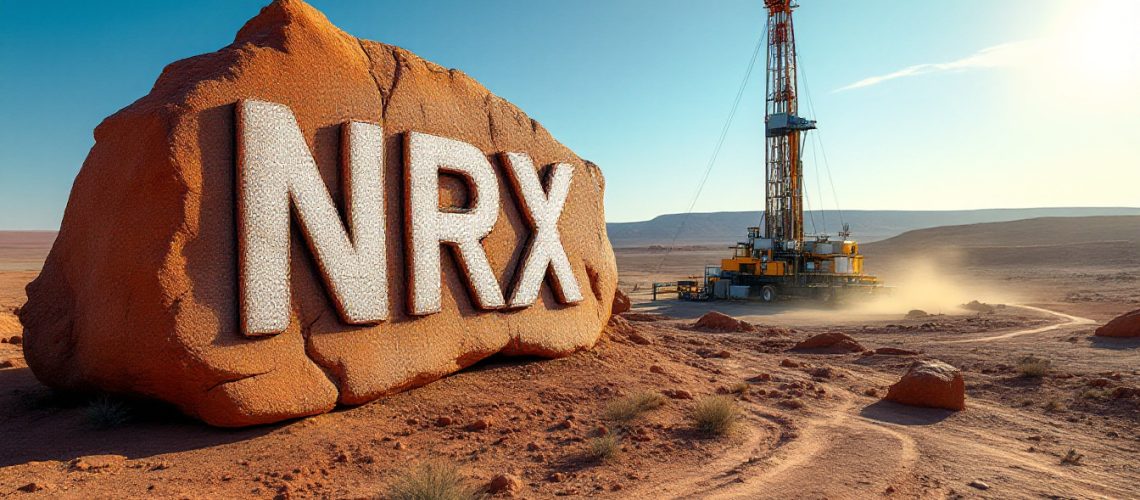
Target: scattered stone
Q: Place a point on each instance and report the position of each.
(400, 445)
(979, 485)
(762, 377)
(722, 354)
(444, 421)
(931, 384)
(720, 322)
(824, 372)
(504, 484)
(677, 394)
(976, 306)
(32, 487)
(96, 463)
(1125, 325)
(871, 391)
(601, 430)
(556, 477)
(15, 339)
(639, 338)
(532, 446)
(621, 303)
(566, 424)
(1125, 392)
(657, 369)
(894, 351)
(916, 313)
(479, 425)
(1099, 382)
(787, 363)
(830, 343)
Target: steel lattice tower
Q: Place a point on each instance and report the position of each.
(783, 210)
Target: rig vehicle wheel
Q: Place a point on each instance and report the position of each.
(768, 293)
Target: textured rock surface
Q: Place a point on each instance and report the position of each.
(1125, 325)
(830, 342)
(930, 384)
(139, 293)
(621, 302)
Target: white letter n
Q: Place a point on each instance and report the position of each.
(275, 171)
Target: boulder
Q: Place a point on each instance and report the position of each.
(1125, 325)
(719, 322)
(830, 343)
(930, 384)
(139, 294)
(621, 303)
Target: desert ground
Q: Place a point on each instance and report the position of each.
(811, 425)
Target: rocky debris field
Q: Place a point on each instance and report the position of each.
(659, 408)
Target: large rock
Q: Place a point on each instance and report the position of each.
(829, 343)
(719, 322)
(621, 302)
(1125, 325)
(139, 293)
(930, 384)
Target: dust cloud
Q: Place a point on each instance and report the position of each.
(931, 285)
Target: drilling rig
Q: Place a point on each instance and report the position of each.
(776, 260)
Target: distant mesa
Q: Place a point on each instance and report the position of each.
(140, 293)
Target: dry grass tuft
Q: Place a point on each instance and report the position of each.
(433, 481)
(1096, 394)
(626, 409)
(716, 415)
(1055, 405)
(1033, 366)
(604, 448)
(739, 388)
(105, 413)
(1072, 457)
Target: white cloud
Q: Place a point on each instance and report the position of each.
(1003, 55)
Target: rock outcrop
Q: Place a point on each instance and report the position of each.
(139, 294)
(829, 343)
(930, 384)
(621, 302)
(719, 322)
(1125, 325)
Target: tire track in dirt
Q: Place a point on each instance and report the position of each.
(1070, 320)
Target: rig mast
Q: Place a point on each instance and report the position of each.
(783, 208)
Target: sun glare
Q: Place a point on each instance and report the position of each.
(1102, 41)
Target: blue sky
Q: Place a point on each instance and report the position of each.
(922, 105)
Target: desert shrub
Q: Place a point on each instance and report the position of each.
(104, 412)
(604, 448)
(433, 481)
(1096, 394)
(715, 415)
(628, 408)
(1032, 366)
(1072, 457)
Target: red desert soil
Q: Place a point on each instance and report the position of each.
(812, 426)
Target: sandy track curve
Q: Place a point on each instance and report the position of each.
(1070, 320)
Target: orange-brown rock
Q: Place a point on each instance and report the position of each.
(930, 384)
(139, 293)
(1125, 325)
(621, 302)
(830, 342)
(720, 322)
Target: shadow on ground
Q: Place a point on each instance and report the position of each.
(41, 424)
(894, 413)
